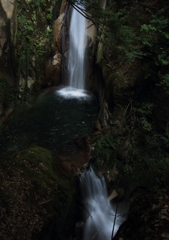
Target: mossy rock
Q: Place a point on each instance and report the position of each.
(34, 195)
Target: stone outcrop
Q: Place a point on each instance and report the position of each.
(91, 32)
(7, 41)
(7, 32)
(8, 7)
(57, 29)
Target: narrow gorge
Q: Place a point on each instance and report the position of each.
(84, 140)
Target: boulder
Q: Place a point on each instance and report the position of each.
(35, 195)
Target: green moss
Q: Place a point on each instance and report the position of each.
(47, 191)
(46, 162)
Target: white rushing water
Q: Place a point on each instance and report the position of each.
(77, 46)
(70, 92)
(99, 213)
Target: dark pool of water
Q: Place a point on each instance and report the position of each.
(51, 121)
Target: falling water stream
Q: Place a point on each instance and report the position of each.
(77, 47)
(76, 62)
(100, 215)
(101, 219)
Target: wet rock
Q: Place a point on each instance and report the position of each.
(91, 33)
(104, 115)
(144, 218)
(57, 27)
(57, 60)
(8, 7)
(7, 29)
(52, 75)
(73, 159)
(113, 195)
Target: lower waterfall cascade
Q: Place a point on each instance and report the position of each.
(102, 219)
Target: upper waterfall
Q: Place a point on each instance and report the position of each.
(77, 47)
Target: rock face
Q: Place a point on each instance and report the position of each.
(8, 7)
(91, 32)
(7, 29)
(7, 41)
(57, 30)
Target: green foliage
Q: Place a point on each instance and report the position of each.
(25, 25)
(105, 149)
(33, 38)
(48, 33)
(164, 83)
(144, 114)
(113, 30)
(137, 31)
(155, 36)
(38, 4)
(119, 37)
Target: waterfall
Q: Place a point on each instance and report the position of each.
(98, 210)
(100, 215)
(77, 47)
(75, 62)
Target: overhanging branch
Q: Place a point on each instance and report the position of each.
(81, 11)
